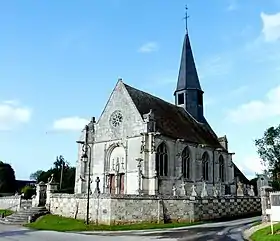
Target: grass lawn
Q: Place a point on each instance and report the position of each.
(57, 223)
(265, 234)
(6, 212)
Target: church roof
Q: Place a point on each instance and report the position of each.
(188, 77)
(171, 120)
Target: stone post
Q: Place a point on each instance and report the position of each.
(265, 202)
(51, 188)
(39, 199)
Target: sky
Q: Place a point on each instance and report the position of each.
(60, 60)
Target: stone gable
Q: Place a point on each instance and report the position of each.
(132, 124)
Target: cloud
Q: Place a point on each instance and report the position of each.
(74, 123)
(149, 47)
(232, 5)
(271, 26)
(257, 110)
(12, 114)
(250, 165)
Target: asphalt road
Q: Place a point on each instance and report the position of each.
(226, 231)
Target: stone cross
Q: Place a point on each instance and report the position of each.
(215, 191)
(193, 194)
(239, 191)
(97, 189)
(251, 191)
(183, 189)
(174, 189)
(204, 190)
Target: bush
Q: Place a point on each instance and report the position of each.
(28, 192)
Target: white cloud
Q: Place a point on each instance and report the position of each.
(257, 110)
(271, 26)
(12, 114)
(149, 47)
(74, 123)
(250, 165)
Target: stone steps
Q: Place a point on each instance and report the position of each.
(22, 216)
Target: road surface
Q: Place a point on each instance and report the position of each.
(225, 231)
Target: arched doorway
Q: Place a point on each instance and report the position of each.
(117, 171)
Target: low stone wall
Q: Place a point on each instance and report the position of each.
(10, 202)
(119, 209)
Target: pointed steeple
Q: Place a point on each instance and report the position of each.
(188, 93)
(188, 77)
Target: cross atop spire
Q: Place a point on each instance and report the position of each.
(186, 18)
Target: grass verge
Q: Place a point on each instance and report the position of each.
(5, 212)
(265, 234)
(62, 224)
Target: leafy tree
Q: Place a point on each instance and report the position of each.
(7, 178)
(28, 191)
(35, 176)
(269, 151)
(60, 162)
(68, 181)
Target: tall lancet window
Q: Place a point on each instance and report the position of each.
(221, 168)
(186, 163)
(162, 160)
(205, 166)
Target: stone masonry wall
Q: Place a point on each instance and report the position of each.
(10, 202)
(75, 206)
(120, 209)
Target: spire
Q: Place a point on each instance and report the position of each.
(188, 93)
(188, 77)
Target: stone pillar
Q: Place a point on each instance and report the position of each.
(51, 188)
(40, 198)
(265, 202)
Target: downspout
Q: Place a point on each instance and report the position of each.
(213, 167)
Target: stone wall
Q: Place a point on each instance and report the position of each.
(119, 209)
(10, 202)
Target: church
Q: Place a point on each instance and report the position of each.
(143, 145)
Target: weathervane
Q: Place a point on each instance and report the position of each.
(186, 18)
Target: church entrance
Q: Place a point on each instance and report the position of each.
(112, 185)
(121, 186)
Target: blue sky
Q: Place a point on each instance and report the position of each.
(60, 61)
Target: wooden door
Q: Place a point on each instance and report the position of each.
(122, 183)
(112, 184)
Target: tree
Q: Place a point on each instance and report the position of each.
(35, 176)
(60, 162)
(60, 166)
(269, 151)
(7, 178)
(28, 192)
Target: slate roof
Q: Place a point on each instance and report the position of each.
(188, 77)
(173, 121)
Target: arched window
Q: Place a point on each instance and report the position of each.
(221, 168)
(162, 160)
(186, 163)
(205, 166)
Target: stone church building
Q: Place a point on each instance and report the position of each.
(144, 145)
